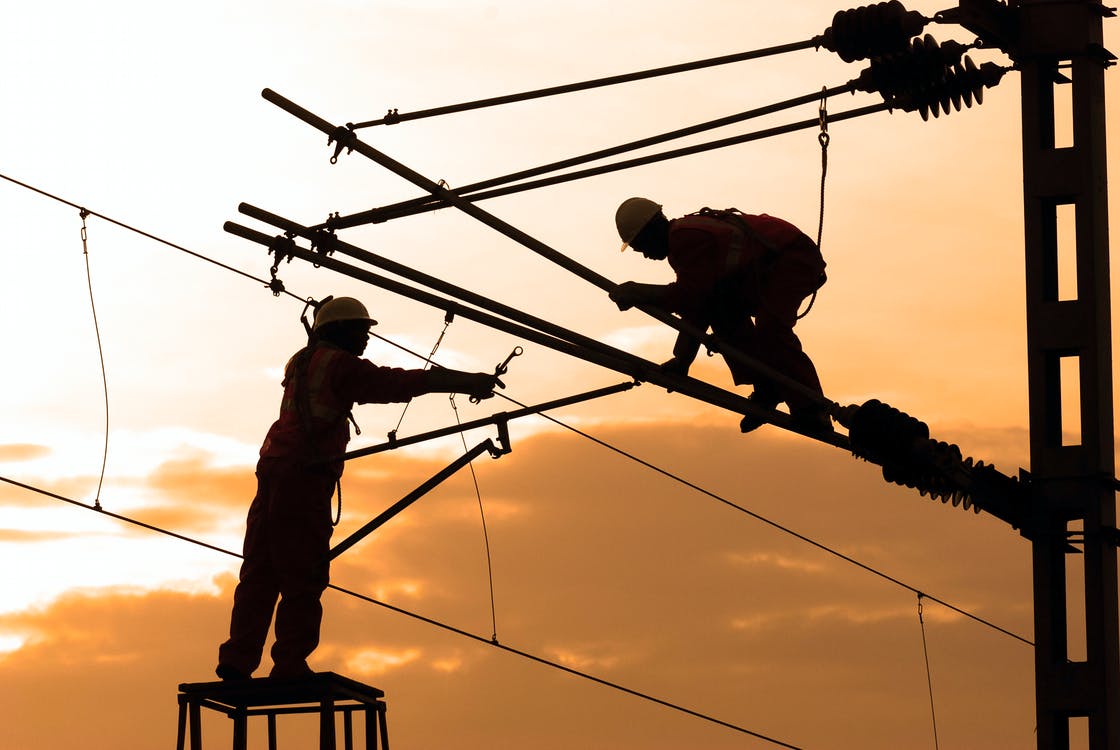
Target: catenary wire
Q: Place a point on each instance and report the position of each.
(600, 442)
(408, 613)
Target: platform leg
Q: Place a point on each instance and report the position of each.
(326, 724)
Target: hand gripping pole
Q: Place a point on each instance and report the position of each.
(419, 492)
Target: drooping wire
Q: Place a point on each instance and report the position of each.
(421, 618)
(929, 677)
(823, 138)
(83, 213)
(485, 533)
(448, 318)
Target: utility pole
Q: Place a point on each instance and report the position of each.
(1058, 47)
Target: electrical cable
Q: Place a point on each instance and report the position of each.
(444, 626)
(778, 526)
(142, 233)
(83, 213)
(393, 116)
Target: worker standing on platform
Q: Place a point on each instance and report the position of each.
(288, 530)
(743, 275)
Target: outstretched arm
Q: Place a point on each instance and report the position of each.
(479, 385)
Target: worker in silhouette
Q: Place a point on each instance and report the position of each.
(287, 536)
(744, 276)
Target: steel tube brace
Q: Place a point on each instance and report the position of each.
(416, 494)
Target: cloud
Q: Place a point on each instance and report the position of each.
(16, 452)
(601, 565)
(21, 536)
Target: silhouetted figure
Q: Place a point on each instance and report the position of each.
(288, 531)
(743, 276)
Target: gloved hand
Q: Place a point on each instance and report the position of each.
(675, 366)
(631, 293)
(625, 295)
(482, 385)
(479, 385)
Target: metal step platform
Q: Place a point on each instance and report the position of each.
(325, 693)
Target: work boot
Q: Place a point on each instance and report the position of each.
(811, 420)
(291, 671)
(763, 400)
(230, 674)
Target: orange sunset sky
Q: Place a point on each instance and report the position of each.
(151, 114)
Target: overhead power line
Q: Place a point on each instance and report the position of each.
(442, 625)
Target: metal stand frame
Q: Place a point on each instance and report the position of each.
(324, 693)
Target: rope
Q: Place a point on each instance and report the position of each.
(83, 213)
(393, 117)
(929, 678)
(421, 618)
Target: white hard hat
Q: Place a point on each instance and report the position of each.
(632, 215)
(340, 309)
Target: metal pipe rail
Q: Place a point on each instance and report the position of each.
(426, 203)
(393, 117)
(347, 139)
(498, 418)
(433, 482)
(612, 359)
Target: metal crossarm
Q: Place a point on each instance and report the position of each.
(416, 494)
(346, 139)
(500, 418)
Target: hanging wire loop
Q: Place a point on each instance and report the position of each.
(83, 213)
